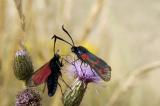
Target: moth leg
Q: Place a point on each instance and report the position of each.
(75, 60)
(85, 65)
(92, 71)
(75, 69)
(72, 63)
(60, 88)
(81, 67)
(67, 56)
(69, 63)
(63, 59)
(64, 81)
(61, 62)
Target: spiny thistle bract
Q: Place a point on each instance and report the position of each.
(22, 65)
(85, 75)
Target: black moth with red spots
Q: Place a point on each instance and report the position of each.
(96, 63)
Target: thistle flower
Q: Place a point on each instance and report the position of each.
(28, 97)
(85, 75)
(22, 65)
(84, 72)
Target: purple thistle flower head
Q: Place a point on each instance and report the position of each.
(84, 72)
(28, 97)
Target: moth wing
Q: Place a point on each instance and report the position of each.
(99, 65)
(41, 75)
(102, 69)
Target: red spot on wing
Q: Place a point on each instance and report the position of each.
(41, 75)
(99, 65)
(103, 71)
(95, 62)
(84, 56)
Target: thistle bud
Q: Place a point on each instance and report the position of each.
(22, 65)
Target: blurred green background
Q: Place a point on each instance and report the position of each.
(125, 33)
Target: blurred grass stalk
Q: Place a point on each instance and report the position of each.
(94, 14)
(2, 24)
(18, 4)
(20, 35)
(129, 80)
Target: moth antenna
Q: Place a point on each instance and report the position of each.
(54, 45)
(67, 34)
(56, 37)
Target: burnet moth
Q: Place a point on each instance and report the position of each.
(49, 74)
(96, 63)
